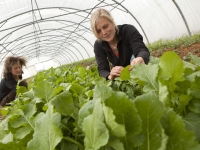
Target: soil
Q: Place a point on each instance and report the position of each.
(181, 51)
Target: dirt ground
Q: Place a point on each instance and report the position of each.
(181, 51)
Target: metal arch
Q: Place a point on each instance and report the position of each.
(49, 35)
(27, 24)
(53, 52)
(46, 19)
(73, 40)
(54, 36)
(65, 51)
(58, 36)
(133, 18)
(52, 30)
(183, 17)
(61, 8)
(54, 58)
(66, 57)
(45, 40)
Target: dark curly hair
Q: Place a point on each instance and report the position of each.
(9, 62)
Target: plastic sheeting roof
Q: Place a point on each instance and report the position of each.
(59, 30)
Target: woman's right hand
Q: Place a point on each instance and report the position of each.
(115, 72)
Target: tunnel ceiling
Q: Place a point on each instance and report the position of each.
(42, 30)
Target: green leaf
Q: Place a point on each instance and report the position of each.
(85, 111)
(7, 138)
(27, 111)
(116, 129)
(192, 122)
(195, 60)
(46, 135)
(64, 103)
(164, 141)
(125, 74)
(150, 110)
(29, 94)
(194, 105)
(43, 90)
(66, 145)
(178, 137)
(126, 114)
(147, 73)
(171, 69)
(163, 93)
(76, 88)
(115, 144)
(195, 87)
(21, 89)
(183, 102)
(22, 132)
(102, 92)
(81, 72)
(96, 133)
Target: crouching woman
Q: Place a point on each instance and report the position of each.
(12, 73)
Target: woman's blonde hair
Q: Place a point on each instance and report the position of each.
(100, 12)
(9, 62)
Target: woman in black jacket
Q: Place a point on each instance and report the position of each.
(120, 45)
(12, 73)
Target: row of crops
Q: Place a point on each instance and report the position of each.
(153, 107)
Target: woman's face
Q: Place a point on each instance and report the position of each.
(16, 69)
(105, 29)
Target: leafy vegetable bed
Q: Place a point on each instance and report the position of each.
(153, 107)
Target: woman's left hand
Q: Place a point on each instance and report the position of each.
(138, 60)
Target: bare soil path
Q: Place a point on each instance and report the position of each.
(181, 51)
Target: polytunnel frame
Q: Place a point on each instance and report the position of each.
(48, 35)
(77, 10)
(33, 23)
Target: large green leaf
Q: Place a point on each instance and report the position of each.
(116, 129)
(178, 137)
(147, 73)
(150, 110)
(43, 90)
(76, 88)
(64, 103)
(127, 115)
(102, 92)
(46, 134)
(96, 132)
(171, 69)
(85, 111)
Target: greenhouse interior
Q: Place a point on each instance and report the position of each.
(144, 107)
(54, 33)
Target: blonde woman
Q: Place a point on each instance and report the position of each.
(12, 73)
(120, 45)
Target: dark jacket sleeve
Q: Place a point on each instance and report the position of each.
(102, 61)
(136, 42)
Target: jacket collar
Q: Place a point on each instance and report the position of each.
(105, 45)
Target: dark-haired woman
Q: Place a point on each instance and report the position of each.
(12, 73)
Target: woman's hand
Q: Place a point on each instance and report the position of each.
(138, 60)
(115, 72)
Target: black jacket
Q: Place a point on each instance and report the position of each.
(6, 86)
(130, 42)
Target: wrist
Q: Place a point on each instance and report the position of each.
(110, 77)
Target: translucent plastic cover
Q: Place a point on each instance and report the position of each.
(58, 31)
